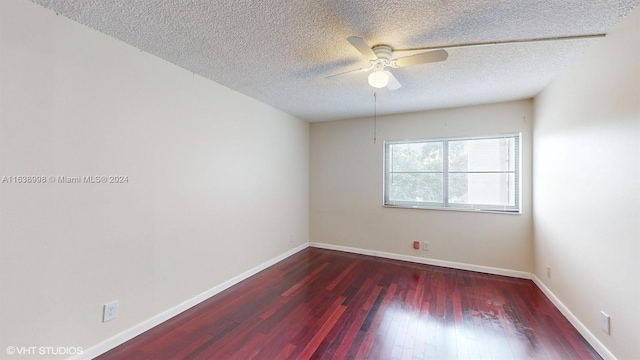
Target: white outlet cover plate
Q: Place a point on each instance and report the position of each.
(110, 311)
(605, 322)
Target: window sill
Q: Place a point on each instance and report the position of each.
(519, 212)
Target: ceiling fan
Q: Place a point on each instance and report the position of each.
(381, 57)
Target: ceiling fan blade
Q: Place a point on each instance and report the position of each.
(431, 56)
(393, 82)
(363, 47)
(347, 72)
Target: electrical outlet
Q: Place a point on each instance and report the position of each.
(292, 239)
(425, 245)
(110, 311)
(549, 272)
(605, 322)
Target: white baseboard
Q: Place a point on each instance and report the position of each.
(130, 333)
(427, 261)
(582, 329)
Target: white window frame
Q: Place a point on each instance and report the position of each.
(445, 205)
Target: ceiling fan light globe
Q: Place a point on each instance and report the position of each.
(378, 79)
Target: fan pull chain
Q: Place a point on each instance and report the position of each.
(375, 117)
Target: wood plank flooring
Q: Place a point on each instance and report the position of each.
(322, 304)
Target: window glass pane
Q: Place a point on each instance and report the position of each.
(414, 187)
(482, 155)
(416, 157)
(482, 189)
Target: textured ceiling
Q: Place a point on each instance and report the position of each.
(280, 51)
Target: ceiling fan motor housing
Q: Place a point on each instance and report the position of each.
(383, 52)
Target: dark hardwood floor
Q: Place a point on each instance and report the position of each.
(321, 304)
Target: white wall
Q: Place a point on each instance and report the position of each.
(587, 187)
(217, 182)
(347, 180)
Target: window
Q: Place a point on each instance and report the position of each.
(480, 173)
